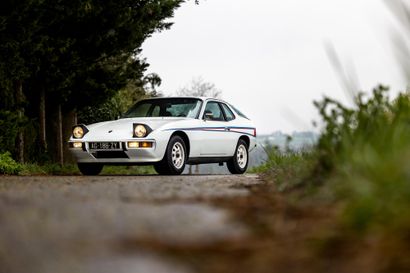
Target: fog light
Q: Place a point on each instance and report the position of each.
(133, 144)
(77, 144)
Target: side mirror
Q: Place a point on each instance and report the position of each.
(209, 116)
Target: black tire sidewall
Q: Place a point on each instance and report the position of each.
(160, 168)
(170, 168)
(233, 165)
(90, 168)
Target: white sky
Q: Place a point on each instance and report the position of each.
(268, 56)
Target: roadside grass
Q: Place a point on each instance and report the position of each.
(48, 169)
(289, 169)
(360, 164)
(365, 152)
(128, 170)
(10, 167)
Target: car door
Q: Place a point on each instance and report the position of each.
(231, 124)
(215, 139)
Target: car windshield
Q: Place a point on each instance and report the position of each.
(166, 107)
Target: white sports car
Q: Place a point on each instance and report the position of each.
(167, 133)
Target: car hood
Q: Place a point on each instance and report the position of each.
(123, 127)
(154, 123)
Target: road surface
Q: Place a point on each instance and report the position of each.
(66, 224)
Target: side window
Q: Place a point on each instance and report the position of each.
(155, 111)
(213, 112)
(143, 110)
(228, 113)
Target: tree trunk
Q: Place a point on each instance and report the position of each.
(59, 136)
(18, 87)
(69, 120)
(42, 119)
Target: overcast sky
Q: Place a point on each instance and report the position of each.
(268, 56)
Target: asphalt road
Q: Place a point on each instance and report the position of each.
(69, 224)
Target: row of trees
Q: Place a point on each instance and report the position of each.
(60, 57)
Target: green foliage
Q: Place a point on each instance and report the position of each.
(49, 169)
(128, 170)
(8, 165)
(288, 169)
(361, 159)
(115, 106)
(79, 54)
(10, 122)
(364, 151)
(56, 169)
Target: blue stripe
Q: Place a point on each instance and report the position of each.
(212, 129)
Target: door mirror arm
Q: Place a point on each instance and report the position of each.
(208, 116)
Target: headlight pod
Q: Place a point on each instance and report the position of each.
(79, 131)
(141, 130)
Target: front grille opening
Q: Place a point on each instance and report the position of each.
(110, 154)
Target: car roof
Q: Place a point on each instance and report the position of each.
(187, 97)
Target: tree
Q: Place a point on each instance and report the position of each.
(18, 28)
(198, 87)
(121, 101)
(64, 55)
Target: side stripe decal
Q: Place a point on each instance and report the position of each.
(232, 129)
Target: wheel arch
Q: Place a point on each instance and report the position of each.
(246, 139)
(185, 137)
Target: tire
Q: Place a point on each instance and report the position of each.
(90, 168)
(238, 164)
(158, 167)
(175, 158)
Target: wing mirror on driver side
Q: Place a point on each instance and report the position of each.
(208, 116)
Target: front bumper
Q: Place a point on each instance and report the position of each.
(124, 155)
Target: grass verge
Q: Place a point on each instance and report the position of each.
(10, 167)
(360, 166)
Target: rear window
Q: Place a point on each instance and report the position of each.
(238, 112)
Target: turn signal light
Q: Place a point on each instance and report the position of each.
(146, 144)
(137, 144)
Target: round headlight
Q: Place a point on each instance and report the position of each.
(140, 131)
(78, 132)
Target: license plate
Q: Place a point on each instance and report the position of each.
(105, 145)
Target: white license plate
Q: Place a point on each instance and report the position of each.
(105, 145)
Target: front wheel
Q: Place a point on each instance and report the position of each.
(239, 162)
(175, 158)
(90, 168)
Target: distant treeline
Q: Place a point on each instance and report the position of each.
(295, 142)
